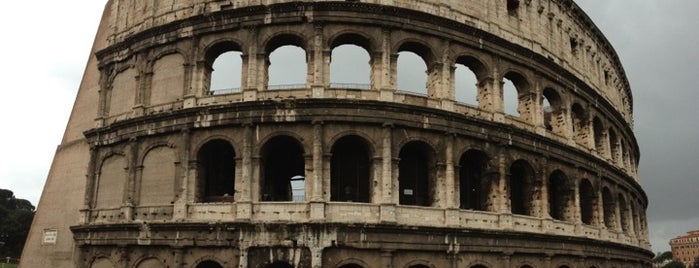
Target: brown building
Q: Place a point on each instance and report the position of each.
(158, 168)
(685, 248)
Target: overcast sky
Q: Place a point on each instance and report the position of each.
(45, 46)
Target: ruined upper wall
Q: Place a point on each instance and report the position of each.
(556, 29)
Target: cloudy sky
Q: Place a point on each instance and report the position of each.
(46, 44)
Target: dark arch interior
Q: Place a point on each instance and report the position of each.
(282, 161)
(415, 167)
(473, 185)
(216, 161)
(521, 182)
(587, 202)
(557, 195)
(209, 264)
(279, 264)
(350, 166)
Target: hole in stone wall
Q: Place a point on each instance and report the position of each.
(216, 171)
(282, 162)
(609, 208)
(350, 67)
(512, 5)
(558, 195)
(465, 85)
(587, 201)
(350, 170)
(226, 73)
(520, 183)
(412, 73)
(473, 186)
(287, 68)
(415, 166)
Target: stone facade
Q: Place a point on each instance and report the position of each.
(162, 170)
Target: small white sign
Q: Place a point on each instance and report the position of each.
(407, 191)
(50, 236)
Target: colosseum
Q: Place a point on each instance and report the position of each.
(159, 167)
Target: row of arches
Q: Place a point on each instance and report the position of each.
(360, 60)
(352, 176)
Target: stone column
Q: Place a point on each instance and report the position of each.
(244, 182)
(319, 65)
(180, 206)
(386, 259)
(317, 179)
(389, 178)
(450, 179)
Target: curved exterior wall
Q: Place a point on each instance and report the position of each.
(163, 171)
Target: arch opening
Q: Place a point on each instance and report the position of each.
(587, 202)
(283, 170)
(558, 195)
(350, 170)
(623, 213)
(468, 73)
(415, 175)
(614, 146)
(609, 208)
(209, 264)
(473, 185)
(279, 264)
(224, 68)
(216, 171)
(554, 116)
(579, 121)
(521, 183)
(515, 88)
(599, 135)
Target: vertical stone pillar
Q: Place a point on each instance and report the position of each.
(385, 71)
(180, 206)
(503, 195)
(386, 259)
(178, 257)
(90, 186)
(244, 182)
(389, 177)
(543, 176)
(449, 177)
(317, 179)
(319, 65)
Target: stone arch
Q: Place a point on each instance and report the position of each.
(523, 97)
(285, 40)
(213, 53)
(352, 263)
(350, 170)
(609, 205)
(167, 82)
(102, 262)
(599, 135)
(416, 174)
(521, 187)
(623, 213)
(472, 71)
(588, 202)
(474, 184)
(347, 47)
(282, 164)
(209, 264)
(420, 263)
(123, 87)
(559, 196)
(614, 145)
(216, 171)
(158, 175)
(149, 262)
(111, 181)
(426, 54)
(579, 124)
(555, 114)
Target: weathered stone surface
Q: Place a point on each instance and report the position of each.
(156, 169)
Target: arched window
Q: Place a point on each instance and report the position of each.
(287, 64)
(468, 73)
(150, 263)
(209, 264)
(412, 69)
(350, 65)
(599, 136)
(102, 263)
(473, 186)
(521, 182)
(216, 171)
(283, 166)
(623, 213)
(587, 202)
(167, 82)
(614, 146)
(515, 88)
(609, 208)
(418, 266)
(479, 266)
(158, 177)
(553, 112)
(111, 182)
(579, 120)
(415, 175)
(225, 68)
(559, 195)
(350, 170)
